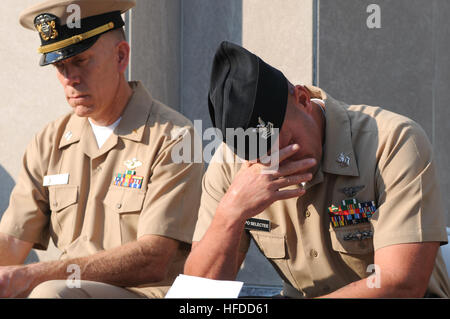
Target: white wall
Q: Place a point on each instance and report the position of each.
(280, 31)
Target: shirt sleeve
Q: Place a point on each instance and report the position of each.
(171, 203)
(28, 214)
(215, 183)
(410, 208)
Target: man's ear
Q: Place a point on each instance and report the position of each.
(123, 55)
(302, 97)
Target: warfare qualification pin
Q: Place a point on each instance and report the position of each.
(133, 164)
(46, 25)
(351, 191)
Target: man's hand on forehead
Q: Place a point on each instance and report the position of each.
(256, 186)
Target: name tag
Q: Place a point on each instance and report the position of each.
(257, 224)
(51, 180)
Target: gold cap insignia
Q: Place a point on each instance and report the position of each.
(46, 25)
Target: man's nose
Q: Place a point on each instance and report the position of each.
(71, 76)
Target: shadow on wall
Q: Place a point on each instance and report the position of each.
(220, 20)
(6, 186)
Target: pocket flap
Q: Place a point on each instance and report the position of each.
(356, 239)
(62, 196)
(123, 200)
(272, 246)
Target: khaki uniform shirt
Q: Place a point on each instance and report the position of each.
(90, 213)
(389, 162)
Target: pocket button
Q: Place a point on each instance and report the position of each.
(307, 214)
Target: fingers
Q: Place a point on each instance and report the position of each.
(279, 156)
(288, 151)
(290, 168)
(275, 170)
(290, 193)
(291, 180)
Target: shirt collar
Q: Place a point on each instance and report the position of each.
(131, 126)
(73, 132)
(136, 114)
(338, 137)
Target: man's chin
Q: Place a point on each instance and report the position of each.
(82, 111)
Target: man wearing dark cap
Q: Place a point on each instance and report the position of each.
(100, 182)
(353, 209)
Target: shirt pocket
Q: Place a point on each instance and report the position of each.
(62, 197)
(63, 204)
(272, 246)
(354, 244)
(123, 207)
(354, 239)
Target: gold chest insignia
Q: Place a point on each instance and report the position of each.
(133, 164)
(46, 25)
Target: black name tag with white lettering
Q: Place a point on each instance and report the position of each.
(257, 224)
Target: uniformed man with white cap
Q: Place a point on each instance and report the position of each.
(354, 208)
(100, 181)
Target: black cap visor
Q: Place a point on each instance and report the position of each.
(68, 52)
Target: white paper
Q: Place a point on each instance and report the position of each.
(196, 287)
(61, 179)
